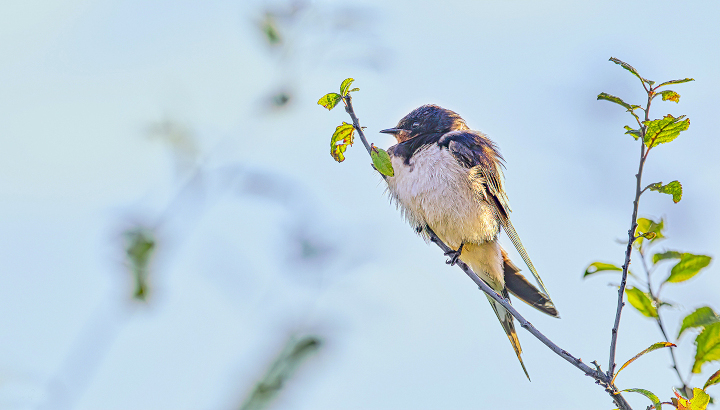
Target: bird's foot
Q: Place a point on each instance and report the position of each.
(454, 255)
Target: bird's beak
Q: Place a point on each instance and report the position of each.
(399, 133)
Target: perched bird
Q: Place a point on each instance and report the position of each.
(449, 178)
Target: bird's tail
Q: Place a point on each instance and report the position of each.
(506, 320)
(487, 262)
(519, 286)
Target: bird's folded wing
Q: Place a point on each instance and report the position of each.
(476, 151)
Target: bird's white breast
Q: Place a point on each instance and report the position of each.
(435, 189)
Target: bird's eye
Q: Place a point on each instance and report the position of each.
(415, 124)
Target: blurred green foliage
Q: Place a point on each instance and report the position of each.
(139, 249)
(293, 354)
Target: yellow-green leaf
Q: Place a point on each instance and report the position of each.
(342, 137)
(674, 188)
(668, 95)
(701, 317)
(664, 130)
(688, 267)
(642, 302)
(708, 346)
(700, 400)
(330, 100)
(381, 161)
(635, 133)
(596, 267)
(650, 395)
(714, 379)
(653, 347)
(644, 226)
(345, 86)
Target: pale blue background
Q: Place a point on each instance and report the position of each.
(82, 81)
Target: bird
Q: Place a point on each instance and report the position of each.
(449, 179)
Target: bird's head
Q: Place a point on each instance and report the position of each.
(427, 119)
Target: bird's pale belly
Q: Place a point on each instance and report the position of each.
(435, 190)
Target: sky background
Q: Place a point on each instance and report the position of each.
(160, 114)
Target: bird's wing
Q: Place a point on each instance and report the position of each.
(477, 151)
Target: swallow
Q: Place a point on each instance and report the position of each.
(449, 179)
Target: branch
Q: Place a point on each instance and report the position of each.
(599, 376)
(631, 240)
(656, 298)
(356, 123)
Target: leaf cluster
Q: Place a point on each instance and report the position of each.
(657, 131)
(699, 399)
(682, 266)
(344, 134)
(670, 266)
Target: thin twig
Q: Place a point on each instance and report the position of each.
(356, 123)
(631, 240)
(523, 322)
(599, 377)
(656, 299)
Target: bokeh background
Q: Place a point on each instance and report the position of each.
(179, 144)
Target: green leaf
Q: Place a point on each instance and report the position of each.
(688, 267)
(345, 86)
(616, 100)
(330, 100)
(684, 80)
(596, 267)
(631, 69)
(664, 130)
(635, 133)
(673, 188)
(666, 255)
(341, 139)
(354, 89)
(653, 347)
(701, 317)
(708, 346)
(642, 302)
(650, 395)
(714, 379)
(669, 95)
(381, 161)
(645, 226)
